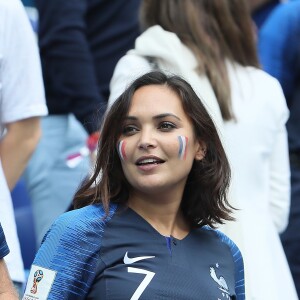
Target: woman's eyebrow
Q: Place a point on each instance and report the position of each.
(130, 118)
(161, 116)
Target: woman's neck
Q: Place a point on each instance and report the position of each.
(164, 215)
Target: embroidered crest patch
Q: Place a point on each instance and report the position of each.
(39, 283)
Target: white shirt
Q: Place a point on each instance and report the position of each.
(21, 97)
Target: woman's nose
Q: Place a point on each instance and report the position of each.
(145, 145)
(147, 141)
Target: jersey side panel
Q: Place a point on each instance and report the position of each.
(238, 263)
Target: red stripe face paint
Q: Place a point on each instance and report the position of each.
(183, 141)
(121, 150)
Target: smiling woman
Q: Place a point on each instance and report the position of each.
(162, 189)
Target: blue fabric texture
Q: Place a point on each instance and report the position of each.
(261, 14)
(238, 262)
(3, 245)
(74, 251)
(98, 256)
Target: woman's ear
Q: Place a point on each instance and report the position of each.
(201, 151)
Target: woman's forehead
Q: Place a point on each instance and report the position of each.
(155, 99)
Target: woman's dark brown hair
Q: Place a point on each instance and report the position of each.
(205, 196)
(215, 31)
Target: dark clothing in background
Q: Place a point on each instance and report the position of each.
(261, 13)
(279, 51)
(80, 43)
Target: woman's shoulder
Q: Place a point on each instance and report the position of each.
(223, 238)
(85, 212)
(89, 219)
(70, 253)
(262, 76)
(259, 87)
(259, 81)
(88, 214)
(253, 73)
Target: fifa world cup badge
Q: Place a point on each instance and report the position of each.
(39, 284)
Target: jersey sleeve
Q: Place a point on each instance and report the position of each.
(238, 264)
(66, 263)
(3, 245)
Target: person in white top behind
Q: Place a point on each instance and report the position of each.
(22, 102)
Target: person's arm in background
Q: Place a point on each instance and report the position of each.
(280, 186)
(68, 66)
(7, 291)
(17, 147)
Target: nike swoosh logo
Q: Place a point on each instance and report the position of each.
(128, 261)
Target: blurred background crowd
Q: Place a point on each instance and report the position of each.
(64, 62)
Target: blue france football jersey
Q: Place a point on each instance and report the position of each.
(86, 256)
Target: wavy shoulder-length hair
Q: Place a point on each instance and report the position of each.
(205, 196)
(214, 30)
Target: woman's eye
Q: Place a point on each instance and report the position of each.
(167, 126)
(127, 130)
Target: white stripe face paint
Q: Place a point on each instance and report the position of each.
(183, 141)
(121, 149)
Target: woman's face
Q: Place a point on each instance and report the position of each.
(157, 146)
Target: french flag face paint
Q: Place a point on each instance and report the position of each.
(183, 141)
(121, 150)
